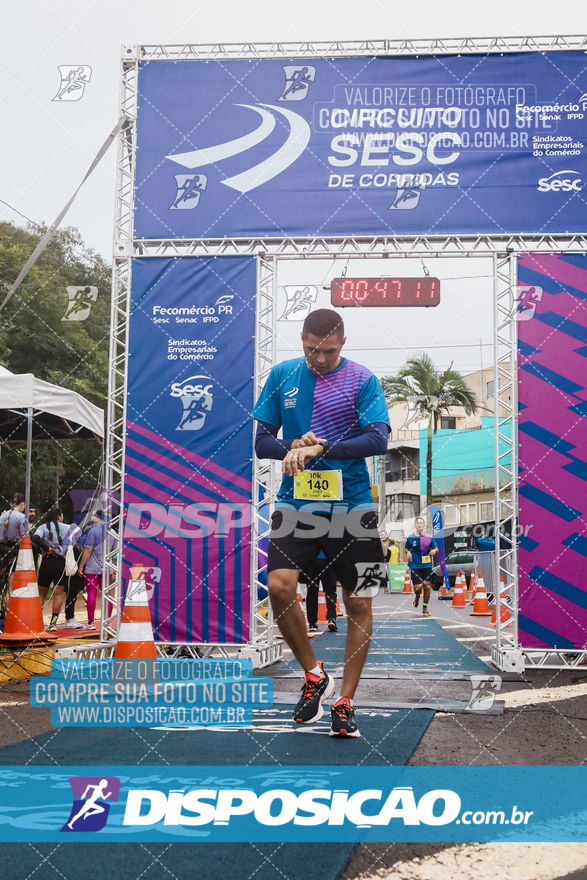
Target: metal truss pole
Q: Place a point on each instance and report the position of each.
(505, 653)
(119, 319)
(261, 642)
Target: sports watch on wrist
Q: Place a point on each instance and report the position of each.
(325, 447)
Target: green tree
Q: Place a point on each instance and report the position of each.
(432, 394)
(72, 354)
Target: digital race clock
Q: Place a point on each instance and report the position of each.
(368, 292)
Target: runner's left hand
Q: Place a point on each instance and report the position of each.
(295, 459)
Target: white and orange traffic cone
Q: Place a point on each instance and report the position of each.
(444, 593)
(506, 619)
(464, 586)
(24, 618)
(408, 583)
(481, 606)
(135, 637)
(321, 606)
(472, 586)
(458, 598)
(299, 596)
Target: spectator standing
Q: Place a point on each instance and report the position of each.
(92, 562)
(52, 536)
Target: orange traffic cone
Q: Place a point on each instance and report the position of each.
(481, 606)
(506, 619)
(458, 599)
(321, 606)
(408, 583)
(472, 585)
(464, 586)
(135, 636)
(444, 593)
(24, 618)
(299, 596)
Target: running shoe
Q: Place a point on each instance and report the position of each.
(343, 719)
(73, 624)
(51, 627)
(332, 626)
(416, 601)
(313, 628)
(314, 690)
(426, 613)
(90, 627)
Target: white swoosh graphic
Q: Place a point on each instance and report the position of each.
(292, 149)
(198, 158)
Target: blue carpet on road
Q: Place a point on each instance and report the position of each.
(401, 646)
(388, 736)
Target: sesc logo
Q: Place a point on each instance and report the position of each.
(196, 399)
(555, 183)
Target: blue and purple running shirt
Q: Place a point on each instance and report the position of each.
(335, 406)
(419, 546)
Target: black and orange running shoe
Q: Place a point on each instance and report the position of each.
(314, 690)
(343, 719)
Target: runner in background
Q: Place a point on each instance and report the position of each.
(420, 548)
(333, 414)
(320, 572)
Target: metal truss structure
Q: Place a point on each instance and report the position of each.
(503, 249)
(353, 49)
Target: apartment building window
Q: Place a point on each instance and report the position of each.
(491, 388)
(448, 423)
(485, 511)
(400, 507)
(468, 512)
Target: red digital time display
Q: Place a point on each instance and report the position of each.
(368, 292)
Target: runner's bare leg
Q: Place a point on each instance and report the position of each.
(288, 615)
(360, 622)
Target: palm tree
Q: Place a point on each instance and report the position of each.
(432, 394)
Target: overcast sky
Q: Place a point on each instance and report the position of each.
(48, 146)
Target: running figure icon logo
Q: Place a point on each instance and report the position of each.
(90, 802)
(297, 82)
(80, 302)
(527, 298)
(74, 78)
(196, 400)
(485, 689)
(299, 302)
(189, 189)
(371, 576)
(407, 197)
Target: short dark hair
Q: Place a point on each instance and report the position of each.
(323, 323)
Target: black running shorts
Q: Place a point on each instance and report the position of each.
(419, 575)
(355, 552)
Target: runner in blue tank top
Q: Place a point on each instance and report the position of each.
(333, 414)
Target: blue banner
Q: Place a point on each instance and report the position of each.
(438, 535)
(299, 804)
(354, 146)
(189, 440)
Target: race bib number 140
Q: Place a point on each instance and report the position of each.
(318, 486)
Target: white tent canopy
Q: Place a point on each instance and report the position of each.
(58, 413)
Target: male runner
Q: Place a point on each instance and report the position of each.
(420, 548)
(333, 414)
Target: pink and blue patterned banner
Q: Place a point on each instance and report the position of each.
(188, 465)
(552, 388)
